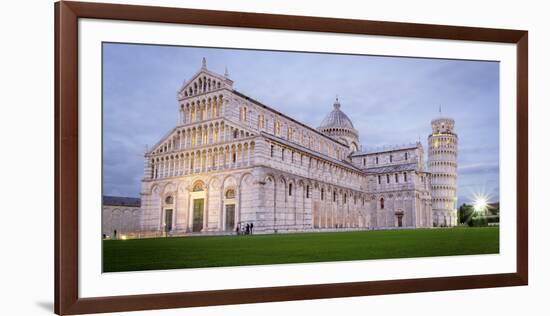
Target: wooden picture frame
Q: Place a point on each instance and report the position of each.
(67, 14)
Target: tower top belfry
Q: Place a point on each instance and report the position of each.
(443, 125)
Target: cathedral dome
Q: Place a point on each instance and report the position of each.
(338, 126)
(336, 119)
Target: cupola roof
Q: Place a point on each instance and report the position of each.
(336, 118)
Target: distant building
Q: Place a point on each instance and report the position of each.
(232, 159)
(121, 214)
(493, 214)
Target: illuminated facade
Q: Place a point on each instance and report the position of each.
(442, 164)
(232, 160)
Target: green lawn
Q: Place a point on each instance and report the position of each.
(218, 251)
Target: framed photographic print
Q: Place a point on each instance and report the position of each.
(213, 157)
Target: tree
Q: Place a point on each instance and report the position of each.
(466, 213)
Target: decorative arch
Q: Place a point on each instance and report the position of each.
(228, 181)
(198, 186)
(246, 176)
(214, 183)
(168, 188)
(282, 179)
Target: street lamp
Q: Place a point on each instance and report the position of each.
(480, 204)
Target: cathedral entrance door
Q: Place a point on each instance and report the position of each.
(168, 220)
(198, 214)
(229, 217)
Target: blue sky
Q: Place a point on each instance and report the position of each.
(391, 100)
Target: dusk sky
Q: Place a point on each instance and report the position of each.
(391, 101)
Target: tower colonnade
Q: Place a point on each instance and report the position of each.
(443, 166)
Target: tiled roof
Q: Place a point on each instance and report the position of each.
(384, 149)
(311, 129)
(121, 201)
(393, 168)
(309, 151)
(336, 118)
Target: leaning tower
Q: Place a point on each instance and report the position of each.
(442, 164)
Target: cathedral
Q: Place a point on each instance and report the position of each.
(233, 160)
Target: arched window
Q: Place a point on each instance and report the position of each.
(405, 176)
(277, 128)
(396, 178)
(334, 196)
(376, 160)
(230, 194)
(169, 200)
(307, 191)
(272, 150)
(379, 179)
(382, 203)
(289, 133)
(289, 189)
(388, 178)
(244, 114)
(322, 194)
(406, 156)
(391, 158)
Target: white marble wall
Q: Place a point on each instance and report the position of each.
(126, 220)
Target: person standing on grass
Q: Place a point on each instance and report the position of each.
(251, 226)
(247, 228)
(237, 229)
(115, 233)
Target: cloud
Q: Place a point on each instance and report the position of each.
(480, 168)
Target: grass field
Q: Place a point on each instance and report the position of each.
(218, 251)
